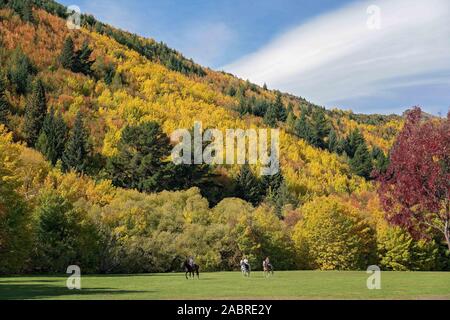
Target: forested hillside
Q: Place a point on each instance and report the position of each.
(85, 119)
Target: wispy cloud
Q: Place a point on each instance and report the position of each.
(335, 57)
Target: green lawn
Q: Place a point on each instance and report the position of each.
(231, 285)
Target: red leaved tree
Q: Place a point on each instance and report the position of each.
(415, 189)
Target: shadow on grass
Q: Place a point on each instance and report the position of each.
(11, 290)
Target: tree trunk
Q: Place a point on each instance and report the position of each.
(447, 233)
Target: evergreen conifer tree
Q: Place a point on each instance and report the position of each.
(53, 137)
(77, 150)
(361, 163)
(35, 113)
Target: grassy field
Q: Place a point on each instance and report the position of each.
(231, 285)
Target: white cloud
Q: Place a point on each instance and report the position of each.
(336, 57)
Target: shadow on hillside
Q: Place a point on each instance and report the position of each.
(18, 290)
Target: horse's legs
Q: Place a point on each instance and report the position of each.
(186, 275)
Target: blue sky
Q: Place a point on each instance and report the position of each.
(321, 50)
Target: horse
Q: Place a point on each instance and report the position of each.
(245, 268)
(192, 270)
(268, 269)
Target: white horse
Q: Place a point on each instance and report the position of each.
(245, 268)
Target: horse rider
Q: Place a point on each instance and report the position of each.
(266, 264)
(191, 261)
(246, 264)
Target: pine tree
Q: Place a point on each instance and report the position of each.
(83, 64)
(290, 121)
(67, 56)
(35, 113)
(26, 12)
(305, 131)
(272, 182)
(353, 141)
(260, 108)
(53, 137)
(77, 150)
(361, 163)
(321, 127)
(279, 108)
(381, 162)
(20, 71)
(271, 116)
(139, 162)
(333, 141)
(4, 106)
(248, 186)
(265, 87)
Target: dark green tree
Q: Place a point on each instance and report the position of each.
(260, 107)
(248, 186)
(67, 56)
(35, 112)
(23, 8)
(20, 71)
(333, 141)
(279, 198)
(4, 105)
(381, 162)
(280, 110)
(305, 131)
(78, 149)
(26, 12)
(56, 234)
(271, 116)
(139, 163)
(78, 61)
(83, 63)
(52, 140)
(272, 182)
(321, 127)
(361, 163)
(353, 141)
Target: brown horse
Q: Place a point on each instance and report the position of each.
(268, 269)
(192, 270)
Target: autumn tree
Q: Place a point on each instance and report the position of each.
(35, 112)
(78, 149)
(15, 220)
(333, 236)
(415, 190)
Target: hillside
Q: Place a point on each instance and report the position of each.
(113, 90)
